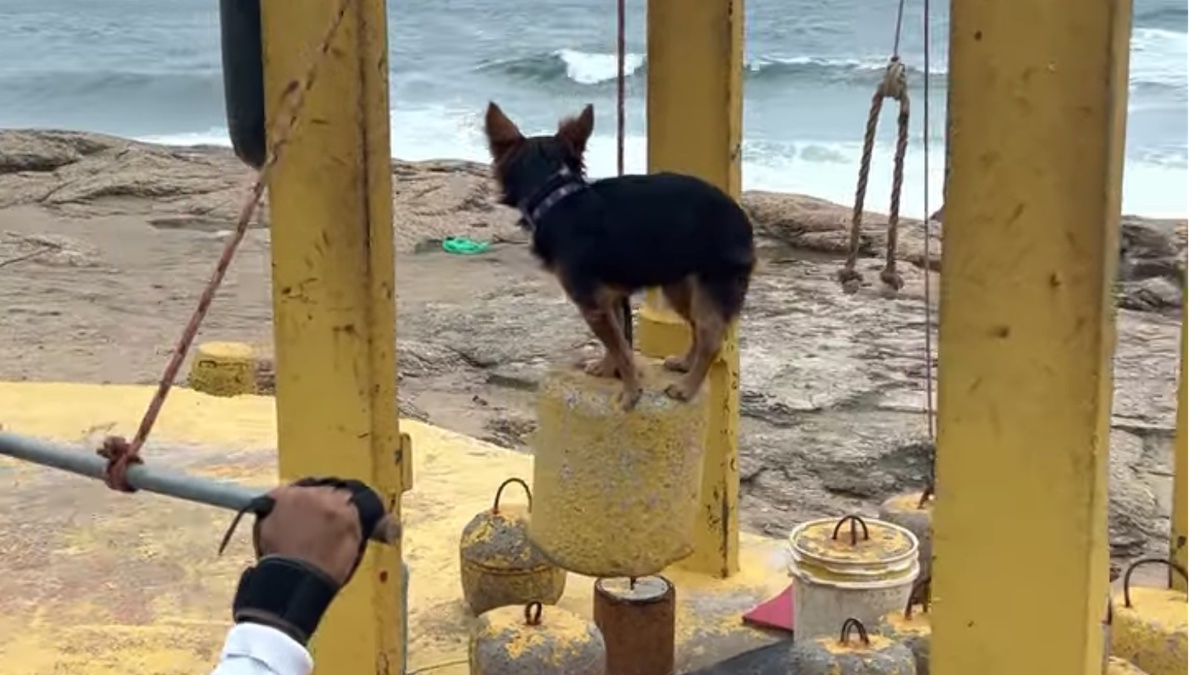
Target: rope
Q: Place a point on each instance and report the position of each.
(930, 422)
(620, 87)
(626, 305)
(899, 26)
(119, 452)
(894, 86)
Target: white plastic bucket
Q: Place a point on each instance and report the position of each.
(850, 576)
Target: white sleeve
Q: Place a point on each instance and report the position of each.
(254, 649)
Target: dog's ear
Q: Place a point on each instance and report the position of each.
(575, 131)
(502, 133)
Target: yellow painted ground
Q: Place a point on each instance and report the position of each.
(97, 583)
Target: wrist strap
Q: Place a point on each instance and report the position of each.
(284, 593)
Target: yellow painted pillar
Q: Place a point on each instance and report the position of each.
(1179, 525)
(334, 288)
(694, 126)
(1037, 109)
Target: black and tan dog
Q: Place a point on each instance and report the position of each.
(607, 239)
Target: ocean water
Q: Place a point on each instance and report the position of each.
(150, 69)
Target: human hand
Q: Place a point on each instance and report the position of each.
(317, 524)
(309, 539)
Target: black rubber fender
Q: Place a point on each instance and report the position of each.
(242, 63)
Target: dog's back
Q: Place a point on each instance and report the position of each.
(652, 230)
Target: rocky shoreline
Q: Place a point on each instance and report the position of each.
(104, 243)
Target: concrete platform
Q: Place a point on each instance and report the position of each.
(97, 583)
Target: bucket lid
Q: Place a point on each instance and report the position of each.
(852, 540)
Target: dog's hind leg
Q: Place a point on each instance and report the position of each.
(607, 365)
(679, 295)
(708, 331)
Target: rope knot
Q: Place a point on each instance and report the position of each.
(895, 81)
(120, 454)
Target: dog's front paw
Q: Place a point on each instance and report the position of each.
(677, 364)
(604, 367)
(629, 398)
(679, 392)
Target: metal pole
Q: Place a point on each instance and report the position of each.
(221, 494)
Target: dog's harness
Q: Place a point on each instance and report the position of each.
(558, 187)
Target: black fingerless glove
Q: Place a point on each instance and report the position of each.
(289, 594)
(284, 593)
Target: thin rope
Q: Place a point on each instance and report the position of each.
(930, 425)
(899, 25)
(929, 302)
(119, 452)
(620, 87)
(626, 304)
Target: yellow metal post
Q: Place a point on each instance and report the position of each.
(1179, 526)
(334, 287)
(1037, 108)
(694, 126)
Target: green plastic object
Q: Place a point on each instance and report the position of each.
(464, 246)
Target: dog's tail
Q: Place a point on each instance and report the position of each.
(728, 288)
(728, 280)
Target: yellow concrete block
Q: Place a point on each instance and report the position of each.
(533, 640)
(617, 493)
(223, 369)
(1151, 633)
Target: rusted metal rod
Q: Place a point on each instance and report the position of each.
(221, 494)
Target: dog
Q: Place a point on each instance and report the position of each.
(608, 239)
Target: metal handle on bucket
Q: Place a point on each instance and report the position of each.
(1144, 561)
(844, 638)
(919, 590)
(500, 491)
(853, 534)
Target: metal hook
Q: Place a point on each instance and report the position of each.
(853, 534)
(920, 590)
(533, 613)
(844, 638)
(1144, 561)
(500, 491)
(926, 496)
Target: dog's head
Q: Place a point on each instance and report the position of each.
(523, 165)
